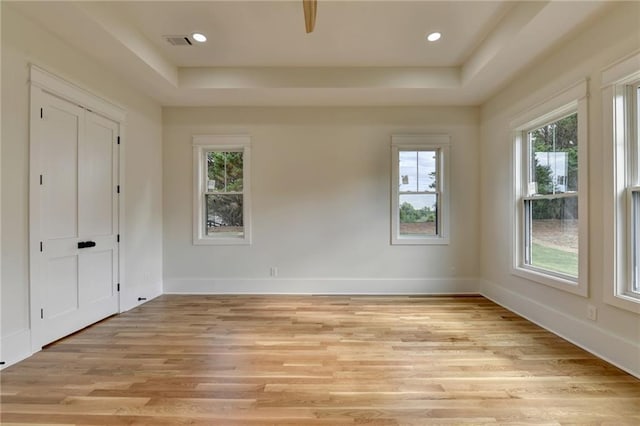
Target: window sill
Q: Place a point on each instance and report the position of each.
(622, 301)
(222, 242)
(436, 241)
(570, 286)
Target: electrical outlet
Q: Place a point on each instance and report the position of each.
(592, 312)
(274, 271)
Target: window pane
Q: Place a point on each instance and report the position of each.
(224, 215)
(553, 239)
(224, 171)
(636, 154)
(427, 171)
(408, 171)
(635, 242)
(418, 215)
(554, 152)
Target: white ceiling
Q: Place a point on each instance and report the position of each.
(361, 52)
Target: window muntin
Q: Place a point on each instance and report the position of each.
(551, 205)
(419, 189)
(221, 193)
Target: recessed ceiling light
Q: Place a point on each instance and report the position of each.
(434, 36)
(201, 38)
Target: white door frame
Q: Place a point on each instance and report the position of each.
(42, 81)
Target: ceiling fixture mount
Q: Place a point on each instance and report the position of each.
(434, 36)
(199, 37)
(310, 7)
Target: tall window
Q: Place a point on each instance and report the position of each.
(633, 166)
(420, 194)
(550, 192)
(551, 204)
(621, 124)
(221, 167)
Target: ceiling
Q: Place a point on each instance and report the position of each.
(361, 52)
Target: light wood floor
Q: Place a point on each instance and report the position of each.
(205, 360)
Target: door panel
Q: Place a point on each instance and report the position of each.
(61, 288)
(98, 175)
(96, 275)
(59, 152)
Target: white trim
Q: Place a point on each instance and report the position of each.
(441, 144)
(621, 352)
(129, 298)
(554, 106)
(202, 144)
(15, 347)
(42, 82)
(620, 144)
(222, 141)
(122, 280)
(359, 286)
(34, 215)
(62, 88)
(572, 99)
(621, 71)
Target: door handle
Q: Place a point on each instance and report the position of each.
(86, 244)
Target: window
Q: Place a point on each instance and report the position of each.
(633, 186)
(550, 209)
(420, 199)
(221, 182)
(621, 124)
(551, 205)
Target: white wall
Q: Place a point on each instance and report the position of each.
(24, 42)
(616, 334)
(321, 203)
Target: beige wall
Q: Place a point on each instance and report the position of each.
(603, 42)
(321, 202)
(23, 42)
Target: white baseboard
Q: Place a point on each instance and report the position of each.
(363, 286)
(622, 353)
(130, 297)
(15, 347)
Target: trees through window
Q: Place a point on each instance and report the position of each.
(420, 196)
(550, 232)
(221, 200)
(551, 207)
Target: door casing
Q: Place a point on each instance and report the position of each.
(41, 82)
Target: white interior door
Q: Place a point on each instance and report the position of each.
(77, 273)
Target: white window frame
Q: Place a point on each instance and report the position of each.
(202, 144)
(621, 179)
(440, 144)
(570, 100)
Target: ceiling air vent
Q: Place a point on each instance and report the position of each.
(178, 40)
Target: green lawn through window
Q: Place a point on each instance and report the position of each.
(554, 260)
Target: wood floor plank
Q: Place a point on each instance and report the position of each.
(316, 360)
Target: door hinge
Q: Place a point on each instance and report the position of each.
(118, 286)
(118, 189)
(118, 140)
(118, 238)
(41, 313)
(40, 245)
(40, 179)
(41, 113)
